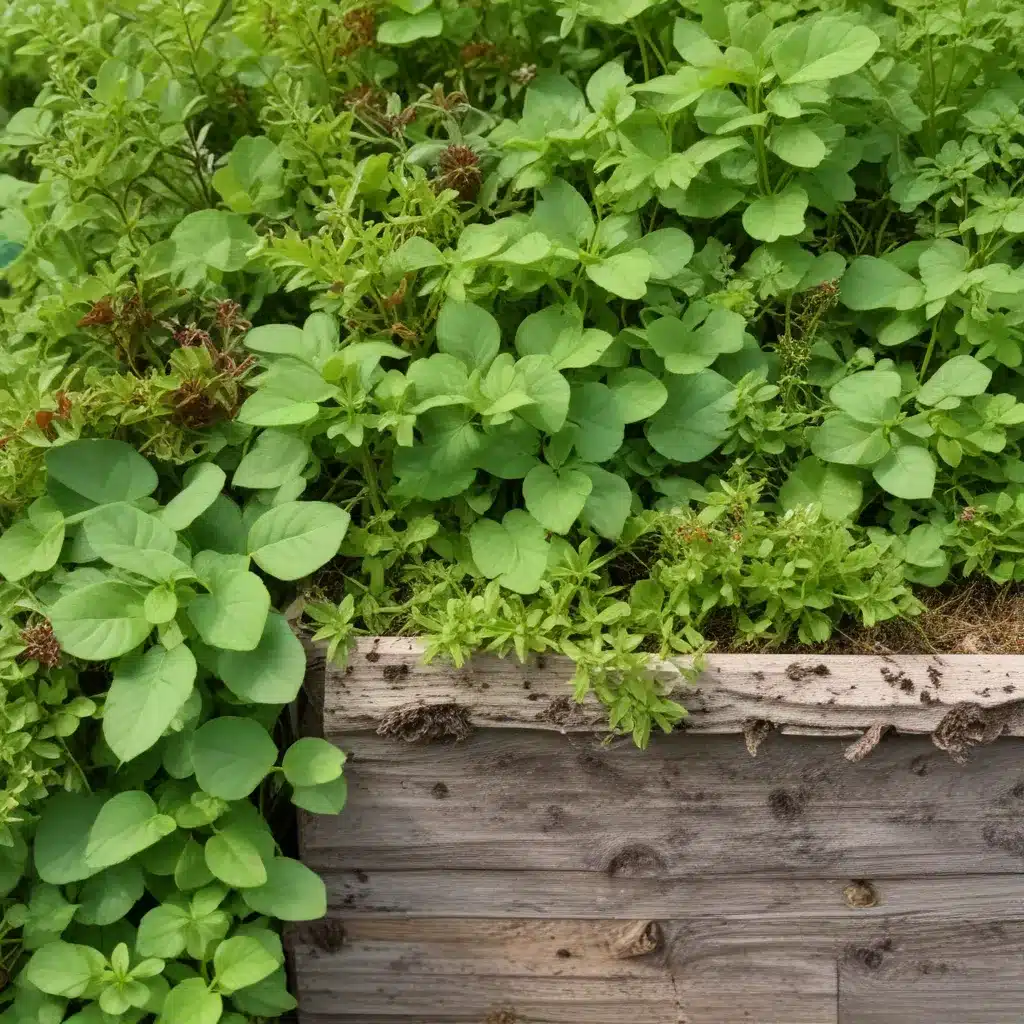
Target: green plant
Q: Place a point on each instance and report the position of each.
(153, 880)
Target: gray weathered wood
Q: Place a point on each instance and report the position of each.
(847, 693)
(441, 892)
(688, 806)
(572, 972)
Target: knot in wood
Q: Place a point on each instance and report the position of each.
(640, 939)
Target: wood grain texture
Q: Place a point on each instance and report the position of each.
(690, 806)
(572, 972)
(835, 693)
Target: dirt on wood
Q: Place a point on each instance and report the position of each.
(427, 723)
(968, 725)
(502, 1017)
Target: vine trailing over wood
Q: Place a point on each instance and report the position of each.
(605, 328)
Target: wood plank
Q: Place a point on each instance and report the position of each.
(595, 895)
(835, 692)
(700, 972)
(559, 972)
(690, 806)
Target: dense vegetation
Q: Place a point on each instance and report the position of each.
(595, 327)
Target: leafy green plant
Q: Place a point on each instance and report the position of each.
(152, 880)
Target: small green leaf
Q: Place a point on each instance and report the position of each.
(291, 893)
(241, 961)
(907, 472)
(556, 498)
(959, 377)
(232, 756)
(62, 836)
(776, 216)
(797, 145)
(670, 250)
(233, 615)
(609, 502)
(234, 859)
(402, 31)
(163, 931)
(203, 484)
(687, 348)
(100, 471)
(326, 798)
(872, 283)
(871, 396)
(127, 824)
(107, 897)
(846, 441)
(191, 1002)
(696, 417)
(276, 457)
(311, 761)
(146, 694)
(270, 673)
(65, 969)
(100, 621)
(296, 538)
(835, 488)
(624, 274)
(32, 544)
(515, 551)
(213, 238)
(638, 394)
(819, 49)
(468, 333)
(131, 539)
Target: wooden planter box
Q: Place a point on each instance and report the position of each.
(535, 872)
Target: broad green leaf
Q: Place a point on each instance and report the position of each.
(688, 349)
(62, 836)
(558, 332)
(100, 471)
(270, 673)
(537, 377)
(835, 488)
(108, 897)
(131, 539)
(232, 756)
(797, 145)
(241, 961)
(608, 505)
(253, 175)
(776, 216)
(695, 419)
(234, 859)
(163, 931)
(213, 238)
(402, 31)
(871, 396)
(638, 394)
(32, 544)
(907, 472)
(127, 824)
(220, 528)
(100, 621)
(562, 213)
(598, 431)
(624, 274)
(943, 269)
(268, 408)
(819, 49)
(146, 694)
(275, 457)
(191, 1002)
(556, 498)
(670, 250)
(291, 893)
(608, 92)
(277, 339)
(326, 798)
(872, 283)
(65, 969)
(515, 551)
(232, 616)
(297, 538)
(311, 761)
(269, 998)
(203, 485)
(959, 377)
(846, 441)
(469, 333)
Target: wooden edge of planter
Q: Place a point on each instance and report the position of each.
(958, 699)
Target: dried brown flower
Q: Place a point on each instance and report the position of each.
(524, 75)
(459, 169)
(101, 314)
(41, 645)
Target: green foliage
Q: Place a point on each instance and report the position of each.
(639, 323)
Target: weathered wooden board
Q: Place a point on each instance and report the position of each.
(837, 692)
(689, 806)
(542, 872)
(571, 972)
